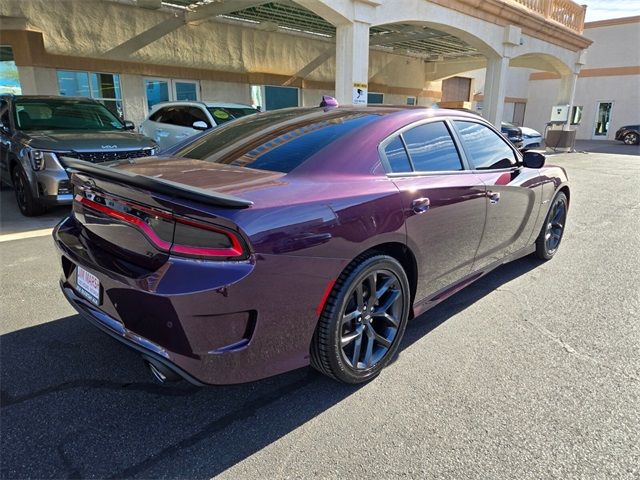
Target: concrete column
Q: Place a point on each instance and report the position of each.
(568, 84)
(495, 87)
(352, 59)
(567, 94)
(38, 81)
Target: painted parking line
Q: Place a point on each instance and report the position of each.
(22, 235)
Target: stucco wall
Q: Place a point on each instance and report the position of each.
(622, 90)
(78, 28)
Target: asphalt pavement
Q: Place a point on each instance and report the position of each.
(531, 372)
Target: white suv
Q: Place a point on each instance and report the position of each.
(172, 122)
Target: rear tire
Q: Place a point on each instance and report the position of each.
(359, 332)
(631, 138)
(552, 231)
(28, 205)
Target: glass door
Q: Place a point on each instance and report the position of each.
(603, 120)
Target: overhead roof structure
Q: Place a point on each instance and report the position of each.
(286, 15)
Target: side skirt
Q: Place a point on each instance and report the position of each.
(422, 306)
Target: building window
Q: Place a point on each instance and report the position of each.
(375, 98)
(104, 87)
(411, 101)
(9, 80)
(271, 97)
(167, 90)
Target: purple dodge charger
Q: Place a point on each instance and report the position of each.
(305, 235)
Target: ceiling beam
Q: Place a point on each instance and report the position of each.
(199, 13)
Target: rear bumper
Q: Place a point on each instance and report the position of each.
(211, 322)
(117, 330)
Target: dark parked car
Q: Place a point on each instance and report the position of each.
(305, 235)
(513, 133)
(629, 134)
(36, 131)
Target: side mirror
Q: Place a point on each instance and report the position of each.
(129, 125)
(533, 159)
(200, 125)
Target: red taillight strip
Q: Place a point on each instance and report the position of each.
(235, 250)
(125, 217)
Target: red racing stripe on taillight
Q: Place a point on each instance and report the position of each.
(125, 217)
(236, 249)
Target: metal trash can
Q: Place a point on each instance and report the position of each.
(563, 140)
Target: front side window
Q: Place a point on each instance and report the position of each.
(431, 148)
(64, 114)
(486, 150)
(224, 114)
(104, 87)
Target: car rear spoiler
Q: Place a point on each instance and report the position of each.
(158, 185)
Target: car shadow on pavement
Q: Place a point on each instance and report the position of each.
(75, 403)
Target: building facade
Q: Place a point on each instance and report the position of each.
(131, 54)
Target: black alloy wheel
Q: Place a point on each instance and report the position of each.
(363, 321)
(550, 237)
(631, 138)
(26, 203)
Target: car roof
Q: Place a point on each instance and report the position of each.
(46, 97)
(209, 104)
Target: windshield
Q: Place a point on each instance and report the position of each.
(277, 141)
(224, 114)
(64, 114)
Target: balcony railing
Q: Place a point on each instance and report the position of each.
(565, 12)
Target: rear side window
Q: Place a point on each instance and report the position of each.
(397, 156)
(486, 150)
(431, 148)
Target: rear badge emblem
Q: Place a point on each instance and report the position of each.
(108, 146)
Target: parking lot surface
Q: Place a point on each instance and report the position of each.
(532, 372)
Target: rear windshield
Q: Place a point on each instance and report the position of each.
(64, 114)
(278, 141)
(224, 114)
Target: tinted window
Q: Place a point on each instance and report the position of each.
(224, 114)
(198, 115)
(277, 142)
(397, 156)
(431, 148)
(63, 114)
(182, 116)
(157, 116)
(485, 148)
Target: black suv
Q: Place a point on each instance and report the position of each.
(629, 134)
(36, 131)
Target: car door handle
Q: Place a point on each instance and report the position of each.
(421, 205)
(494, 197)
